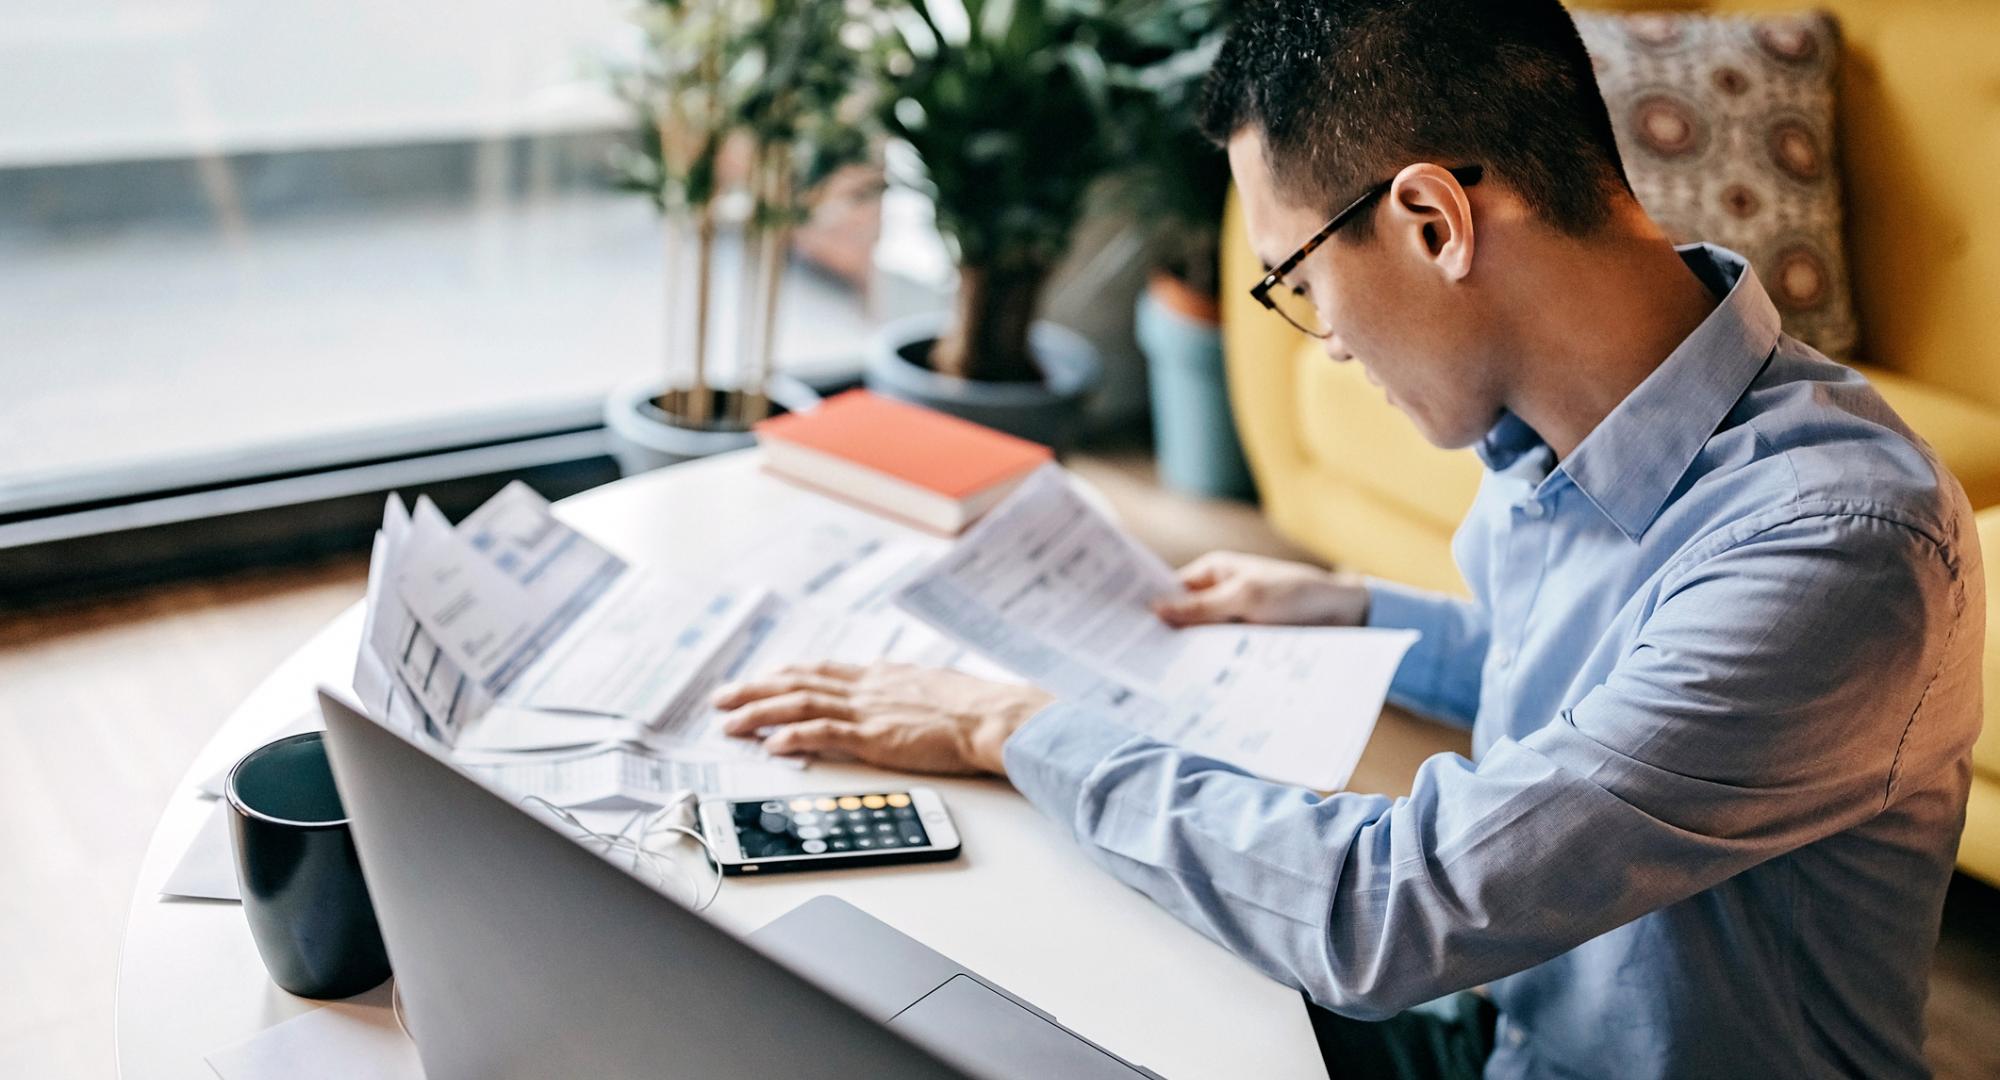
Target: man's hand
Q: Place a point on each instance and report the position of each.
(1229, 586)
(894, 715)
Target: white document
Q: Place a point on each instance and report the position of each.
(1050, 589)
(207, 870)
(400, 674)
(514, 631)
(654, 648)
(848, 616)
(483, 620)
(618, 773)
(337, 1041)
(639, 652)
(509, 727)
(833, 563)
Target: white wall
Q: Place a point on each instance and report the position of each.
(95, 79)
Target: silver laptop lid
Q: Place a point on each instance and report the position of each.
(520, 953)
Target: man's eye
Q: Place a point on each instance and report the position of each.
(1298, 290)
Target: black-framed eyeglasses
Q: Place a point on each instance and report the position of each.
(1291, 303)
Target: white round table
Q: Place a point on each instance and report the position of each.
(1021, 906)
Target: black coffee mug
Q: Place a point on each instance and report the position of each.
(301, 878)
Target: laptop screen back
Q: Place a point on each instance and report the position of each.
(519, 953)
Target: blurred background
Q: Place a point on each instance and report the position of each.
(262, 263)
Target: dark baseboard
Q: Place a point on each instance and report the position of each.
(80, 554)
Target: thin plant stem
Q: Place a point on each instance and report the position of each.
(697, 404)
(673, 244)
(773, 240)
(751, 288)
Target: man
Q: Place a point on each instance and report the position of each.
(1722, 660)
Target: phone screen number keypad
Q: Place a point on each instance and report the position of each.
(829, 824)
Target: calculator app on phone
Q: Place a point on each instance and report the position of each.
(819, 824)
(815, 831)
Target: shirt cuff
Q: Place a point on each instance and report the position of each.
(1051, 756)
(1400, 607)
(1416, 681)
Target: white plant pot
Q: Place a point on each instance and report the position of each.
(642, 437)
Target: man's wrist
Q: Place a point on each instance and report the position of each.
(1347, 601)
(990, 734)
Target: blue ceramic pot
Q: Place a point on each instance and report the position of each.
(1194, 433)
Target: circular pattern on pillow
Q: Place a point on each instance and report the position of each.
(1801, 280)
(1787, 41)
(1726, 126)
(1668, 124)
(1742, 201)
(1795, 150)
(1731, 81)
(1657, 31)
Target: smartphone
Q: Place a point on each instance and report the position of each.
(780, 833)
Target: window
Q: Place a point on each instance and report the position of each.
(243, 241)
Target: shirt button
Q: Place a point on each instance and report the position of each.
(1535, 509)
(1503, 657)
(1514, 1036)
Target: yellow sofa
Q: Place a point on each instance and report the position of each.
(1348, 477)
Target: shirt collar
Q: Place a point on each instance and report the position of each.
(1630, 463)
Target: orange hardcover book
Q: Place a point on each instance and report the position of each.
(904, 460)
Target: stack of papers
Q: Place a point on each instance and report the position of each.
(1051, 589)
(546, 665)
(515, 608)
(513, 632)
(543, 664)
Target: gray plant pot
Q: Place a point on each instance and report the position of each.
(642, 437)
(1049, 412)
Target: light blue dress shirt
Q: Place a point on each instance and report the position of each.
(1722, 669)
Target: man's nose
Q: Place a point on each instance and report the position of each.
(1336, 349)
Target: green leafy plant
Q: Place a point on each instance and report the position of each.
(1013, 109)
(1178, 179)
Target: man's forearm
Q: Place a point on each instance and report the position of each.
(1249, 863)
(1441, 674)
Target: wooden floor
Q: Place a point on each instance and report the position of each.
(102, 707)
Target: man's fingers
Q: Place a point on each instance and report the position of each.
(1221, 604)
(791, 707)
(1204, 571)
(824, 669)
(816, 737)
(778, 682)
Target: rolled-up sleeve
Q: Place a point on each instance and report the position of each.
(1439, 677)
(1753, 715)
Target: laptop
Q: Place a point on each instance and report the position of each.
(520, 953)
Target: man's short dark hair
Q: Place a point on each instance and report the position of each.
(1347, 92)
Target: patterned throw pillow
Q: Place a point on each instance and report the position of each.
(1726, 128)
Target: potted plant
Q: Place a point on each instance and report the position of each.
(1010, 112)
(1183, 180)
(743, 106)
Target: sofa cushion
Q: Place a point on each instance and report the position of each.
(1726, 127)
(1346, 424)
(1986, 753)
(1965, 433)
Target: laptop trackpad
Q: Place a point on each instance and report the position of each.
(986, 1034)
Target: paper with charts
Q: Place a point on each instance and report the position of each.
(513, 632)
(544, 664)
(1052, 590)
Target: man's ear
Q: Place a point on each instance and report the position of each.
(1430, 211)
